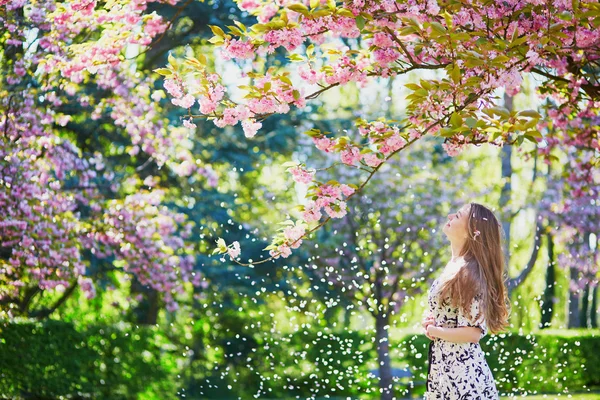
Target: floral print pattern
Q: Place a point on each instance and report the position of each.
(457, 371)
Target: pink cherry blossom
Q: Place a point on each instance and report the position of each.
(251, 127)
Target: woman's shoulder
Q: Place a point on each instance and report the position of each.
(451, 269)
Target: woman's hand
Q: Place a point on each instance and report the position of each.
(429, 331)
(429, 320)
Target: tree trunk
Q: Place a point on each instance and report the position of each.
(584, 315)
(574, 321)
(506, 191)
(383, 356)
(549, 291)
(146, 312)
(594, 305)
(594, 308)
(347, 315)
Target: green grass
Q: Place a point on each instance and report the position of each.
(561, 396)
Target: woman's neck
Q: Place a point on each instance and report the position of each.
(455, 248)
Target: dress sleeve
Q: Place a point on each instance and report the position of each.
(475, 317)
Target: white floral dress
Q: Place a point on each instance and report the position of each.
(457, 370)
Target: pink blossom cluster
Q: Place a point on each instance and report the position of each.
(150, 239)
(288, 38)
(385, 138)
(330, 198)
(234, 251)
(40, 226)
(239, 49)
(302, 175)
(280, 96)
(291, 240)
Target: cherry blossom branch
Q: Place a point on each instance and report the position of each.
(169, 24)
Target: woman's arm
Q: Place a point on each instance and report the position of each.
(463, 334)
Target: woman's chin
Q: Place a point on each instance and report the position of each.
(447, 233)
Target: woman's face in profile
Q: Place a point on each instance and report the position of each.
(456, 227)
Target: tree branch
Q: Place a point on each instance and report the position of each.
(45, 312)
(515, 282)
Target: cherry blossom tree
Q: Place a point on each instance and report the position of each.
(480, 46)
(57, 197)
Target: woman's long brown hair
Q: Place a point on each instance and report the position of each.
(484, 271)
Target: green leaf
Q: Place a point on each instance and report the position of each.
(285, 79)
(500, 111)
(172, 61)
(446, 132)
(344, 12)
(530, 114)
(438, 28)
(360, 22)
(217, 31)
(412, 86)
(295, 57)
(164, 72)
(425, 84)
(216, 40)
(471, 62)
(258, 28)
(235, 30)
(456, 73)
(407, 30)
(473, 81)
(518, 41)
(298, 7)
(471, 122)
(313, 132)
(240, 25)
(456, 120)
(314, 3)
(535, 133)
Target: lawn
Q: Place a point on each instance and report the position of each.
(591, 396)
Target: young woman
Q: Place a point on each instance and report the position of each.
(468, 300)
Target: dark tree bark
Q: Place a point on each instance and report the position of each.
(146, 313)
(382, 322)
(594, 308)
(574, 321)
(513, 283)
(45, 312)
(549, 291)
(584, 315)
(506, 191)
(383, 356)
